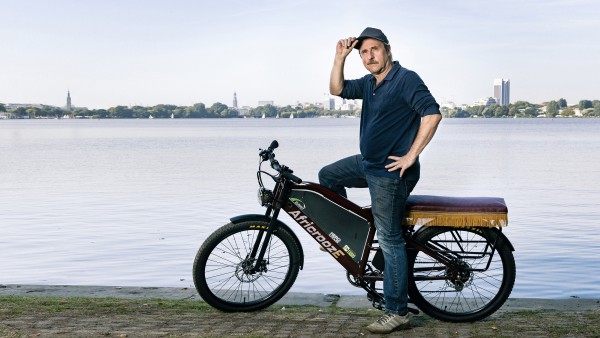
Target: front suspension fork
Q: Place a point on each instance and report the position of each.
(261, 244)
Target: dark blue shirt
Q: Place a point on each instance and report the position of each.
(391, 117)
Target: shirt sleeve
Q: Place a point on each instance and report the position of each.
(353, 89)
(418, 96)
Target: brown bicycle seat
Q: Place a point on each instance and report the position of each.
(456, 211)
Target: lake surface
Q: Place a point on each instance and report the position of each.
(129, 202)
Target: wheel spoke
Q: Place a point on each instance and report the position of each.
(227, 277)
(469, 286)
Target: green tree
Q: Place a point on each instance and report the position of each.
(596, 106)
(530, 112)
(20, 112)
(266, 110)
(2, 108)
(179, 112)
(139, 112)
(562, 103)
(585, 104)
(32, 112)
(289, 108)
(568, 112)
(162, 110)
(594, 111)
(198, 110)
(488, 112)
(522, 104)
(552, 109)
(82, 112)
(503, 111)
(475, 110)
(461, 113)
(101, 113)
(588, 112)
(229, 112)
(122, 112)
(217, 108)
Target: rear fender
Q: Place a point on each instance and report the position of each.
(263, 218)
(503, 237)
(497, 232)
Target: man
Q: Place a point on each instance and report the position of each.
(399, 118)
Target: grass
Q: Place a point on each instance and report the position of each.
(17, 311)
(19, 305)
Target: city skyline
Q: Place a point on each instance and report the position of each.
(502, 91)
(182, 52)
(501, 96)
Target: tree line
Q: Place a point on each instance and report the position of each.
(198, 110)
(587, 108)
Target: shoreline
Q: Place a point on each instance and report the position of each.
(84, 311)
(291, 298)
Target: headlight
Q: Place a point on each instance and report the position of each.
(265, 197)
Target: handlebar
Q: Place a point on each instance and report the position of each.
(269, 155)
(292, 177)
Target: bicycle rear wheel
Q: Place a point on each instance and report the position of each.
(223, 273)
(485, 277)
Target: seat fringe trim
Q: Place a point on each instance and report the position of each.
(459, 219)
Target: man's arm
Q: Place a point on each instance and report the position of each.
(336, 80)
(426, 131)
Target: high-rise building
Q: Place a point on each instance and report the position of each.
(329, 104)
(502, 91)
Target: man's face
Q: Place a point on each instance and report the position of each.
(374, 56)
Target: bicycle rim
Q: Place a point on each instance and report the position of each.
(474, 293)
(224, 279)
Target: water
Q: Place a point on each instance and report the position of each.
(128, 202)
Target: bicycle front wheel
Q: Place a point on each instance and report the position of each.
(229, 279)
(481, 282)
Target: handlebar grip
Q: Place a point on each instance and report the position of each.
(274, 145)
(268, 153)
(292, 177)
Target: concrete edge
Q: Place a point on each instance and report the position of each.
(291, 298)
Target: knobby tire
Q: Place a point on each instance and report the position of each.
(221, 273)
(472, 296)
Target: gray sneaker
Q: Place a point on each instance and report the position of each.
(390, 322)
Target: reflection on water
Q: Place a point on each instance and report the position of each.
(128, 202)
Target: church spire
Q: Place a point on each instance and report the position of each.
(235, 105)
(69, 107)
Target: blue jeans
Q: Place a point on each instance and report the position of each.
(388, 199)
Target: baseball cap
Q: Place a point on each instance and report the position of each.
(373, 33)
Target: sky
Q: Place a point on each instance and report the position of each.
(148, 52)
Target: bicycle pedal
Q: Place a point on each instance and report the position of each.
(370, 297)
(378, 305)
